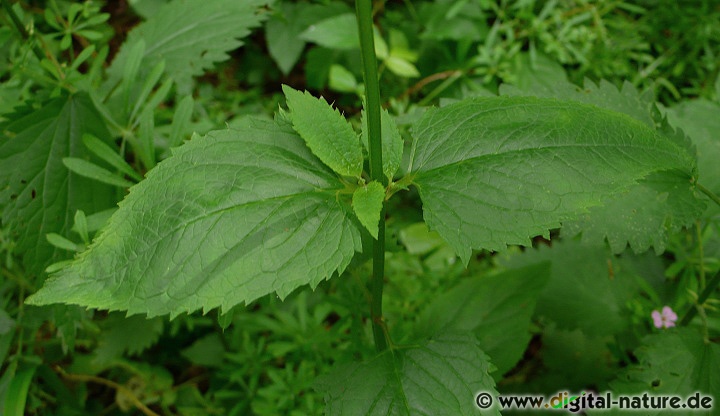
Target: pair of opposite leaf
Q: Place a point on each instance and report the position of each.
(332, 139)
(243, 213)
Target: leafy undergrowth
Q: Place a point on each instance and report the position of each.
(187, 229)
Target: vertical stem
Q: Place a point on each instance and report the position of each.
(709, 289)
(372, 96)
(20, 28)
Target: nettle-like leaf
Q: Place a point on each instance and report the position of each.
(283, 30)
(589, 288)
(367, 203)
(497, 171)
(496, 308)
(699, 120)
(326, 132)
(190, 35)
(38, 194)
(647, 212)
(643, 216)
(228, 218)
(439, 377)
(677, 362)
(131, 335)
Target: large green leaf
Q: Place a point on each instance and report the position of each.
(38, 195)
(677, 362)
(228, 218)
(589, 288)
(326, 132)
(367, 202)
(643, 216)
(646, 213)
(337, 32)
(497, 171)
(699, 120)
(190, 35)
(439, 377)
(496, 308)
(283, 30)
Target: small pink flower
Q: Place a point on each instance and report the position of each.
(666, 319)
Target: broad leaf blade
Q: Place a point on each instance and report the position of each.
(647, 212)
(589, 288)
(367, 203)
(38, 195)
(190, 36)
(338, 32)
(659, 205)
(228, 218)
(326, 132)
(439, 377)
(496, 308)
(699, 120)
(676, 363)
(497, 171)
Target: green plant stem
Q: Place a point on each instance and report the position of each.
(363, 9)
(709, 289)
(21, 29)
(708, 193)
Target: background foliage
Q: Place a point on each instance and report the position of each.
(95, 94)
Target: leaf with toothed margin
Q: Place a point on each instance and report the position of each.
(38, 194)
(646, 213)
(326, 132)
(440, 376)
(676, 362)
(494, 171)
(229, 218)
(367, 203)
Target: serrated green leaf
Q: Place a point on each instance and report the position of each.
(43, 196)
(577, 359)
(645, 214)
(90, 170)
(243, 213)
(126, 335)
(605, 95)
(439, 377)
(699, 120)
(207, 351)
(283, 30)
(497, 171)
(338, 32)
(392, 142)
(326, 132)
(659, 205)
(367, 202)
(677, 362)
(496, 308)
(191, 36)
(589, 288)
